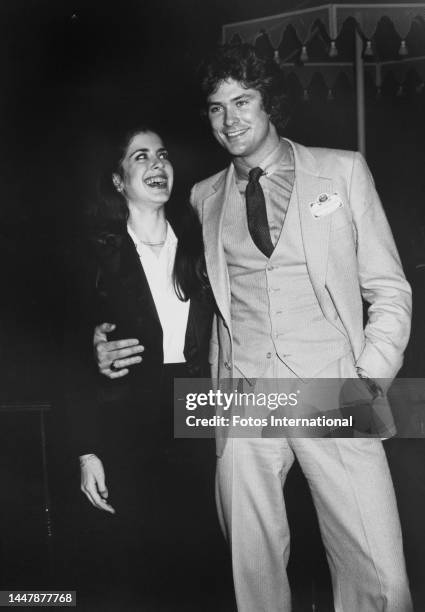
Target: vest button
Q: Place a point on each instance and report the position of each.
(270, 268)
(228, 365)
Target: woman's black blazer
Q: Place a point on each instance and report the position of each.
(113, 288)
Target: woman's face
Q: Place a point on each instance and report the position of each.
(147, 174)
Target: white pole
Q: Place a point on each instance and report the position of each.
(360, 97)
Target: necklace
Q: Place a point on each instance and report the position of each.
(153, 243)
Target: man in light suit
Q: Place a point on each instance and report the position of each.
(295, 237)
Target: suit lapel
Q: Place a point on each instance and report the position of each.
(213, 213)
(198, 329)
(315, 232)
(120, 261)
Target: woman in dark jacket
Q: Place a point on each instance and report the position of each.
(145, 274)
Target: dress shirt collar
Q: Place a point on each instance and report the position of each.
(279, 157)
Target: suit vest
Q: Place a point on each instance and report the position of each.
(274, 309)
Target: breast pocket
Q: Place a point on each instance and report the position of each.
(340, 218)
(343, 233)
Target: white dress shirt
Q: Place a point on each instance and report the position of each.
(172, 312)
(277, 183)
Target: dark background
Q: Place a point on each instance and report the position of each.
(71, 71)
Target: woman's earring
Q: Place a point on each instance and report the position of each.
(117, 183)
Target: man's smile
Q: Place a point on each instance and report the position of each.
(235, 133)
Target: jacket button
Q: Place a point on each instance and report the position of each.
(268, 355)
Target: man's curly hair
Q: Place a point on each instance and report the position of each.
(240, 63)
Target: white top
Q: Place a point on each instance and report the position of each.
(172, 312)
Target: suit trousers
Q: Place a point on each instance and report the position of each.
(354, 499)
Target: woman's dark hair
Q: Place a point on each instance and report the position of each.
(189, 273)
(241, 63)
(109, 214)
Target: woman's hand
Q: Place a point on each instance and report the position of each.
(93, 482)
(114, 358)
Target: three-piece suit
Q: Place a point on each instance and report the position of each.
(298, 315)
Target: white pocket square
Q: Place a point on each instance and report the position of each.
(325, 204)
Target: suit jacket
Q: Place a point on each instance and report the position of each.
(350, 253)
(115, 289)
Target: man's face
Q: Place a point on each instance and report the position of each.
(239, 121)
